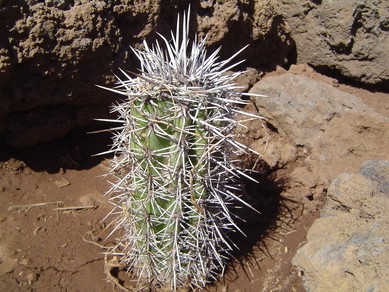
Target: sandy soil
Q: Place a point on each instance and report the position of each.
(51, 221)
(52, 206)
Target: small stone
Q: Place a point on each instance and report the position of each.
(36, 230)
(31, 277)
(62, 182)
(24, 262)
(7, 265)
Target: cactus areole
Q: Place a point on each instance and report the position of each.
(176, 177)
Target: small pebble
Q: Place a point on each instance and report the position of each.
(62, 182)
(31, 277)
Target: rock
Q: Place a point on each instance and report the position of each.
(332, 130)
(31, 277)
(62, 182)
(302, 108)
(92, 199)
(7, 264)
(375, 171)
(307, 71)
(237, 23)
(309, 185)
(275, 151)
(349, 139)
(346, 247)
(247, 79)
(349, 37)
(52, 53)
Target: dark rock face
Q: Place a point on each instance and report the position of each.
(52, 54)
(348, 37)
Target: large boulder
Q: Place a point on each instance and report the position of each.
(236, 23)
(347, 247)
(350, 37)
(302, 108)
(335, 131)
(52, 53)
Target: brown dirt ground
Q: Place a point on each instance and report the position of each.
(51, 221)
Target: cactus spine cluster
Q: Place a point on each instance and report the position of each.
(177, 179)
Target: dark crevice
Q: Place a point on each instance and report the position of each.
(291, 57)
(75, 151)
(379, 87)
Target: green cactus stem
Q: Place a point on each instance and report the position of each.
(177, 179)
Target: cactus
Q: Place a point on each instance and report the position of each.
(175, 163)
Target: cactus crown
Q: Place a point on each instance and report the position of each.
(174, 163)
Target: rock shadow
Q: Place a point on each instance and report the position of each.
(265, 196)
(77, 150)
(274, 211)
